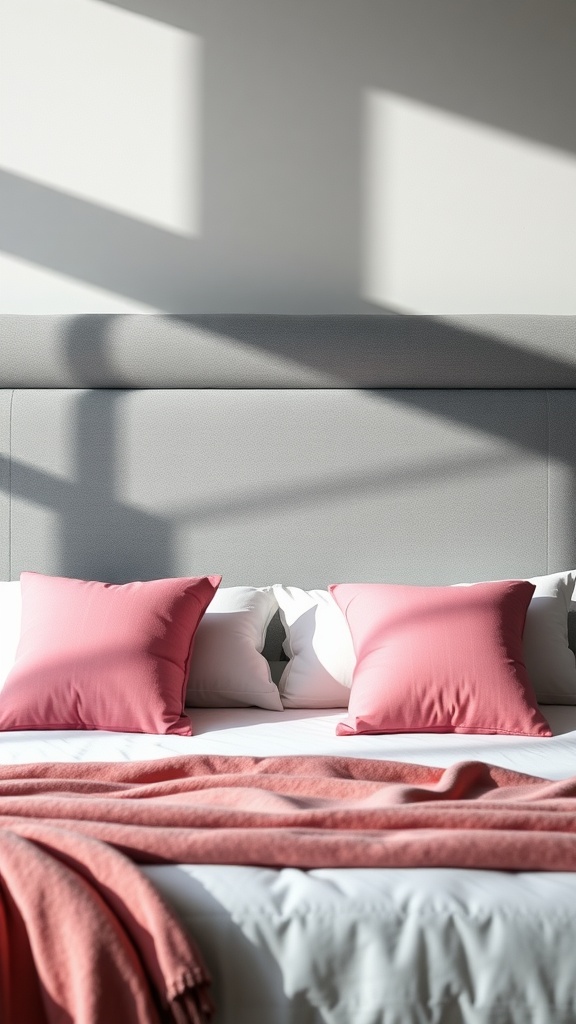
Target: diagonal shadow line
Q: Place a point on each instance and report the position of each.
(50, 491)
(81, 357)
(183, 14)
(95, 245)
(543, 119)
(448, 347)
(397, 350)
(377, 480)
(141, 230)
(100, 358)
(91, 498)
(408, 356)
(98, 246)
(371, 352)
(37, 485)
(44, 489)
(556, 133)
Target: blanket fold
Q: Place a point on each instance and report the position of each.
(87, 938)
(338, 812)
(73, 907)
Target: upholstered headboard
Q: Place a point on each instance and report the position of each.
(301, 450)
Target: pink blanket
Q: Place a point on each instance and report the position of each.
(85, 938)
(59, 823)
(301, 811)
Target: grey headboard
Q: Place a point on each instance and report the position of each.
(300, 450)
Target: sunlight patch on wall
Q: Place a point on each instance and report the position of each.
(103, 104)
(463, 218)
(55, 293)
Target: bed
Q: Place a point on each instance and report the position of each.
(306, 451)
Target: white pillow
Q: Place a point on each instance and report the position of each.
(319, 645)
(227, 669)
(10, 615)
(550, 662)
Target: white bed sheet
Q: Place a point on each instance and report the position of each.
(253, 731)
(363, 946)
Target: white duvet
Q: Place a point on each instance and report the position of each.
(363, 946)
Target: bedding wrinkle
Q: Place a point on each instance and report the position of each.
(340, 812)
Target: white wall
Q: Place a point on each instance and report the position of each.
(288, 156)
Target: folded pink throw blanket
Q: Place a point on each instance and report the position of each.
(75, 908)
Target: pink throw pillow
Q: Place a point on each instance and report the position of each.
(439, 659)
(104, 656)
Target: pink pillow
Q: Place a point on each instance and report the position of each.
(439, 659)
(104, 656)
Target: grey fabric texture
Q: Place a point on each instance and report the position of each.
(297, 487)
(265, 351)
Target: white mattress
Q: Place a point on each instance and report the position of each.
(363, 946)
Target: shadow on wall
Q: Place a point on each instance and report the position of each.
(291, 191)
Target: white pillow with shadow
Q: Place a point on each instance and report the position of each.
(319, 646)
(227, 669)
(550, 662)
